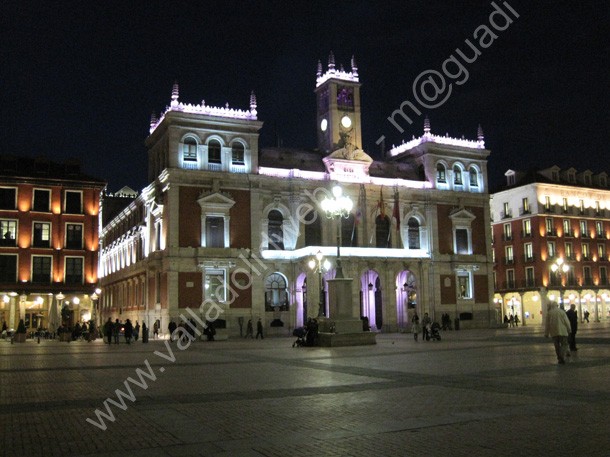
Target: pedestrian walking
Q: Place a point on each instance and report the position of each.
(557, 326)
(587, 316)
(144, 333)
(108, 327)
(136, 332)
(416, 328)
(259, 329)
(128, 331)
(156, 329)
(249, 329)
(425, 324)
(171, 327)
(116, 331)
(573, 318)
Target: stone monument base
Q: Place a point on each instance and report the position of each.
(343, 332)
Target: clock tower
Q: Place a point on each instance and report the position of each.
(338, 107)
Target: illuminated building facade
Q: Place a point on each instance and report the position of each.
(550, 239)
(49, 244)
(225, 222)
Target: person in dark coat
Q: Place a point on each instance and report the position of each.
(116, 331)
(108, 327)
(259, 329)
(128, 331)
(136, 332)
(171, 327)
(573, 318)
(249, 329)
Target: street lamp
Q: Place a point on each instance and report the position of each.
(319, 265)
(338, 206)
(560, 267)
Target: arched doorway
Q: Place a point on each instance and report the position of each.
(406, 297)
(371, 299)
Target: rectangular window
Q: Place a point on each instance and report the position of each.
(549, 226)
(529, 252)
(215, 232)
(41, 235)
(215, 285)
(529, 277)
(547, 204)
(41, 269)
(462, 245)
(567, 228)
(506, 212)
(587, 275)
(42, 200)
(8, 268)
(586, 254)
(509, 255)
(8, 231)
(603, 276)
(581, 206)
(464, 286)
(599, 229)
(584, 232)
(189, 152)
(598, 209)
(74, 236)
(550, 245)
(74, 270)
(527, 227)
(601, 252)
(569, 251)
(508, 232)
(8, 198)
(526, 206)
(510, 278)
(73, 204)
(565, 205)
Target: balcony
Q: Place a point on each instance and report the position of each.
(523, 211)
(572, 282)
(551, 232)
(604, 281)
(587, 281)
(585, 235)
(586, 258)
(570, 257)
(8, 242)
(568, 233)
(525, 234)
(506, 215)
(41, 243)
(508, 260)
(507, 237)
(508, 285)
(555, 281)
(531, 282)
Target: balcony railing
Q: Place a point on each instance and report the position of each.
(587, 281)
(568, 233)
(531, 282)
(508, 284)
(586, 257)
(551, 232)
(523, 211)
(506, 215)
(508, 260)
(525, 234)
(604, 281)
(529, 258)
(507, 237)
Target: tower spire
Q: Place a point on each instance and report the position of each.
(153, 119)
(253, 103)
(354, 66)
(319, 73)
(426, 126)
(331, 62)
(480, 136)
(175, 94)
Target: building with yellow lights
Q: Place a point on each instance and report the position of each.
(49, 242)
(551, 231)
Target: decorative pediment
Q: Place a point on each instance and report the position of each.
(461, 215)
(211, 201)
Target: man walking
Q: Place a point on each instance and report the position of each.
(259, 329)
(557, 326)
(573, 318)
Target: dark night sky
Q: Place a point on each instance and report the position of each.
(81, 78)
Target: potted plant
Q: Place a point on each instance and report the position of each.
(19, 336)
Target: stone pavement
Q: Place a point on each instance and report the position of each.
(475, 393)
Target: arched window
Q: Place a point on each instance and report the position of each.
(349, 232)
(382, 231)
(313, 231)
(189, 150)
(413, 234)
(276, 293)
(474, 177)
(440, 173)
(214, 152)
(275, 231)
(457, 175)
(237, 153)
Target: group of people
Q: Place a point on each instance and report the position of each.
(250, 329)
(562, 326)
(425, 326)
(512, 321)
(112, 331)
(188, 330)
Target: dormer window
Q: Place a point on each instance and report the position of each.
(571, 178)
(510, 179)
(555, 176)
(587, 180)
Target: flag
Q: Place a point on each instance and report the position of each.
(359, 208)
(396, 212)
(380, 204)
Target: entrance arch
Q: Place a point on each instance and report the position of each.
(371, 303)
(406, 297)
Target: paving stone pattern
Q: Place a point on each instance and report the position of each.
(475, 393)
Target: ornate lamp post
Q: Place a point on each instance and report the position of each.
(558, 268)
(319, 265)
(337, 207)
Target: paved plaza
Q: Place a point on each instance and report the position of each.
(475, 393)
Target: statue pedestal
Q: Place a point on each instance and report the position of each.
(343, 327)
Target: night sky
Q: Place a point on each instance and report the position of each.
(81, 78)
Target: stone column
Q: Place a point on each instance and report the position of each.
(11, 316)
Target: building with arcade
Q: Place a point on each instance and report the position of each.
(226, 223)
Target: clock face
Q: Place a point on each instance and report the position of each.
(324, 125)
(346, 122)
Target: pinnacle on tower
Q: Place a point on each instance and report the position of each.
(252, 101)
(153, 119)
(480, 136)
(331, 62)
(175, 94)
(426, 125)
(319, 73)
(354, 67)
